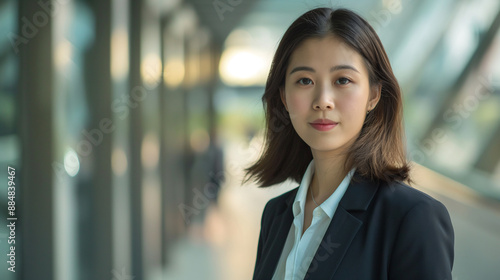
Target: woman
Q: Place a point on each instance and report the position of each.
(334, 124)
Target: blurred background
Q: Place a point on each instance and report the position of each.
(129, 122)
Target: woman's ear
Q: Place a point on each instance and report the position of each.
(283, 97)
(375, 93)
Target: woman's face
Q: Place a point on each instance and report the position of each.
(327, 80)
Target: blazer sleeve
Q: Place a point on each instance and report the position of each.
(262, 238)
(424, 246)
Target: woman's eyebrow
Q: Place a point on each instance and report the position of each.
(334, 68)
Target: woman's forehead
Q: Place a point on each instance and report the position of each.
(325, 53)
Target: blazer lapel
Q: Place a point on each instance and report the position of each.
(277, 236)
(342, 229)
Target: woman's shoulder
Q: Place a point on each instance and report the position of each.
(282, 200)
(401, 197)
(396, 197)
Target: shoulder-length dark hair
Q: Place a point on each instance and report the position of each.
(379, 152)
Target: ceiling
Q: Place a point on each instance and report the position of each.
(222, 16)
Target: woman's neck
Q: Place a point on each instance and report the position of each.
(328, 174)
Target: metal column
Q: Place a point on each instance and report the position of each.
(36, 255)
(98, 89)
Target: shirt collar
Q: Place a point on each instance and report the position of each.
(300, 198)
(329, 206)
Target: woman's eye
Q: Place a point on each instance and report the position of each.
(305, 81)
(342, 81)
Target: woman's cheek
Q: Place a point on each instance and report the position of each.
(354, 104)
(297, 104)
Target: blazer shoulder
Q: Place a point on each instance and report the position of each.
(422, 231)
(279, 203)
(403, 197)
(282, 199)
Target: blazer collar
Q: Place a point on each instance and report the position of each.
(342, 229)
(358, 195)
(338, 237)
(277, 236)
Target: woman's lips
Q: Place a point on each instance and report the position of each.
(323, 127)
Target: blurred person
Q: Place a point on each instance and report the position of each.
(216, 173)
(334, 123)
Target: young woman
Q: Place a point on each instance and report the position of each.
(334, 124)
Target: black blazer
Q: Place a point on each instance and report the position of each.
(379, 231)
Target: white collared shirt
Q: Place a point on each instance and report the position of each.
(299, 251)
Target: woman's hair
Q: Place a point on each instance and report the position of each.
(379, 151)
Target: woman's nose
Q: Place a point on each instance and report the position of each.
(324, 98)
